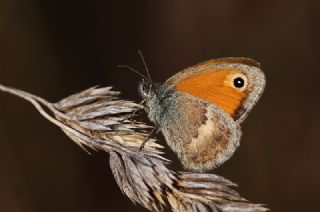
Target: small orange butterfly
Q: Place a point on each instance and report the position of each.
(199, 110)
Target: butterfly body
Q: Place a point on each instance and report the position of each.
(200, 108)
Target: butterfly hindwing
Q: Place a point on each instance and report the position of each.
(201, 134)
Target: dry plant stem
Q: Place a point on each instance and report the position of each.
(98, 119)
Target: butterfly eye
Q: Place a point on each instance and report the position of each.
(238, 82)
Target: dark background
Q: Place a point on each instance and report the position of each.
(55, 48)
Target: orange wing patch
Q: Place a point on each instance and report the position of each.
(214, 87)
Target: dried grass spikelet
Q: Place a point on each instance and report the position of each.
(98, 119)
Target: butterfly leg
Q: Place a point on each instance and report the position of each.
(152, 133)
(134, 112)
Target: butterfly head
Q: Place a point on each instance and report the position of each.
(146, 89)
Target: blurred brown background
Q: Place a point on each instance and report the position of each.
(55, 48)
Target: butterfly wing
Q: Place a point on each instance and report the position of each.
(202, 135)
(213, 62)
(214, 81)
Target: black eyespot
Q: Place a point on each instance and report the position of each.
(238, 82)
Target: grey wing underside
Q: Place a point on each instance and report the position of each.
(202, 135)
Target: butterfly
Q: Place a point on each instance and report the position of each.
(199, 110)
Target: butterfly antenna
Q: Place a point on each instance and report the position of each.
(133, 70)
(145, 65)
